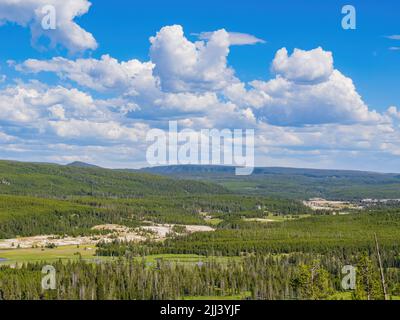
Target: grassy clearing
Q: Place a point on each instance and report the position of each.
(214, 221)
(237, 297)
(19, 256)
(348, 295)
(87, 252)
(341, 296)
(277, 218)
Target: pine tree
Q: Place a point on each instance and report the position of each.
(312, 282)
(368, 285)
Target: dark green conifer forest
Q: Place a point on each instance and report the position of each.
(261, 247)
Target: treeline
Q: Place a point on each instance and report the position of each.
(305, 184)
(249, 206)
(254, 277)
(343, 235)
(27, 216)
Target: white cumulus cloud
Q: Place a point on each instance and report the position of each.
(103, 131)
(29, 13)
(307, 113)
(304, 66)
(183, 65)
(307, 90)
(104, 74)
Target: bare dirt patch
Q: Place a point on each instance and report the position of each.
(157, 232)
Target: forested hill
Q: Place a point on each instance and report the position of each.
(196, 170)
(39, 179)
(293, 182)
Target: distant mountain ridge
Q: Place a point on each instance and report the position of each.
(82, 165)
(294, 183)
(215, 169)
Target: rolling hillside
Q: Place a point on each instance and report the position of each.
(81, 179)
(292, 182)
(35, 179)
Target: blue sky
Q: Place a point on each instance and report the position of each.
(122, 29)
